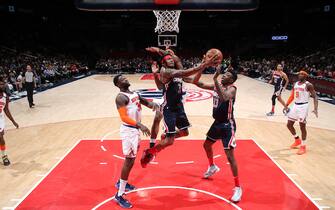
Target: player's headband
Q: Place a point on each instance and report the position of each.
(166, 57)
(303, 73)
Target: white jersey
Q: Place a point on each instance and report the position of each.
(299, 111)
(301, 93)
(134, 108)
(3, 101)
(130, 136)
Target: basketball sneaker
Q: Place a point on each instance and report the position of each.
(296, 143)
(146, 158)
(270, 114)
(302, 150)
(211, 171)
(237, 195)
(129, 187)
(124, 203)
(5, 160)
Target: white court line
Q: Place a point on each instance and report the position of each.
(275, 162)
(109, 133)
(15, 199)
(122, 158)
(317, 199)
(172, 187)
(324, 207)
(185, 162)
(60, 160)
(292, 174)
(103, 163)
(216, 156)
(103, 148)
(8, 208)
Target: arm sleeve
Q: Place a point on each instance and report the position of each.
(291, 98)
(124, 116)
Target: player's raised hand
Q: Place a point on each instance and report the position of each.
(154, 67)
(315, 111)
(217, 72)
(152, 49)
(211, 61)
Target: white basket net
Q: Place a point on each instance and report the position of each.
(167, 20)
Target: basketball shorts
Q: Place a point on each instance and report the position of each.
(175, 118)
(130, 140)
(224, 132)
(278, 90)
(298, 112)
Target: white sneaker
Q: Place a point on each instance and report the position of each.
(211, 171)
(237, 194)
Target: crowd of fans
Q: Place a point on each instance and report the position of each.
(320, 65)
(48, 70)
(135, 65)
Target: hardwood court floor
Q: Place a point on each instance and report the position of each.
(85, 109)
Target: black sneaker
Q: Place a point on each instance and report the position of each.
(129, 187)
(124, 203)
(5, 160)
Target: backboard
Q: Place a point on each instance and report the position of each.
(167, 40)
(185, 5)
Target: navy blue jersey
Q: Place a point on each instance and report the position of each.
(277, 79)
(223, 111)
(173, 94)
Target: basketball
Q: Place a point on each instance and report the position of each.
(212, 52)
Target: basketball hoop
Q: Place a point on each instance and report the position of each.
(167, 20)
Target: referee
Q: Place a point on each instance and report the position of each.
(29, 79)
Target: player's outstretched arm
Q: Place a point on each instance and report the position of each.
(224, 95)
(203, 85)
(150, 105)
(195, 79)
(291, 98)
(311, 89)
(156, 50)
(171, 73)
(9, 115)
(155, 71)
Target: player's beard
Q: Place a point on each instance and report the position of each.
(127, 85)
